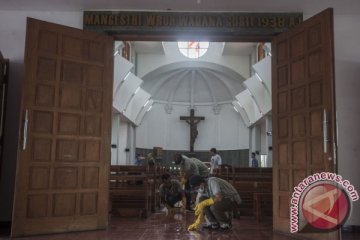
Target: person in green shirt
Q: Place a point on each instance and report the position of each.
(219, 199)
(170, 190)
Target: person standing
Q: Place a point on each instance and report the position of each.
(137, 160)
(215, 160)
(254, 161)
(150, 160)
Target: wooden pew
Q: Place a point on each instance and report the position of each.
(224, 172)
(262, 205)
(154, 174)
(130, 190)
(255, 188)
(251, 174)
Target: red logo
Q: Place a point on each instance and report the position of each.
(325, 206)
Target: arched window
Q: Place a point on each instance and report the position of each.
(193, 49)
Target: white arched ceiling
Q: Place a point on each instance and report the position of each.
(179, 78)
(129, 98)
(193, 83)
(255, 102)
(147, 106)
(260, 94)
(211, 90)
(162, 79)
(127, 90)
(263, 70)
(238, 108)
(121, 69)
(246, 101)
(136, 104)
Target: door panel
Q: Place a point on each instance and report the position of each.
(62, 174)
(302, 87)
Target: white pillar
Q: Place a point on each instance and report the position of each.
(131, 143)
(254, 140)
(114, 138)
(269, 140)
(122, 143)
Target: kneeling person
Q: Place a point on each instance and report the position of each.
(218, 201)
(170, 190)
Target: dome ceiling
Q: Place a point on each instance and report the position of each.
(193, 83)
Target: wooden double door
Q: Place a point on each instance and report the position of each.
(303, 110)
(64, 153)
(64, 148)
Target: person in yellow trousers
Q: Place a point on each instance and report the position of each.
(217, 202)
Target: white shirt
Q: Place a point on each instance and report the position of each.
(215, 162)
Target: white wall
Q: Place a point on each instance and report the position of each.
(13, 26)
(149, 62)
(348, 88)
(347, 72)
(224, 131)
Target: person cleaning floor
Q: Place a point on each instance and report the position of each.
(219, 199)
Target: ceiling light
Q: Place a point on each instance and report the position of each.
(259, 77)
(127, 75)
(147, 102)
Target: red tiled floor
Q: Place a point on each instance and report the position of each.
(172, 227)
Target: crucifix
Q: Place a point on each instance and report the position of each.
(192, 121)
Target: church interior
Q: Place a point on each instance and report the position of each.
(171, 84)
(168, 96)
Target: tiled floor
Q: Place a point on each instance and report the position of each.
(172, 227)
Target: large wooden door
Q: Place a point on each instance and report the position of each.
(64, 153)
(303, 93)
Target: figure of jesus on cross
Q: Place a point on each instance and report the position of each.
(192, 121)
